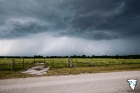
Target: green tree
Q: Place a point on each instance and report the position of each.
(93, 56)
(84, 56)
(75, 56)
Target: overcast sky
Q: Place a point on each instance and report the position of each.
(69, 27)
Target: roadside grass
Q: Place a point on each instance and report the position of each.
(16, 73)
(97, 69)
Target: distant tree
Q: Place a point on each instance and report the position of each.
(78, 56)
(93, 56)
(35, 56)
(47, 56)
(104, 56)
(74, 56)
(117, 57)
(84, 56)
(38, 56)
(66, 56)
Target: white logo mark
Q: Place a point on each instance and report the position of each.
(132, 83)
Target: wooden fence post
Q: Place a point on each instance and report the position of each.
(34, 62)
(53, 62)
(68, 62)
(91, 62)
(23, 62)
(12, 63)
(71, 63)
(44, 62)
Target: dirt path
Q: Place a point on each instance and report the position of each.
(114, 82)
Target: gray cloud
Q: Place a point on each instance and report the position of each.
(46, 45)
(120, 17)
(98, 35)
(92, 19)
(20, 29)
(20, 18)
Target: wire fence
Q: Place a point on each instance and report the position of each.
(20, 63)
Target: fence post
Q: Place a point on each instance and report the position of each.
(71, 63)
(91, 62)
(12, 63)
(53, 62)
(23, 62)
(44, 62)
(68, 62)
(34, 62)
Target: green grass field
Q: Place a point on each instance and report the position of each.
(61, 66)
(63, 62)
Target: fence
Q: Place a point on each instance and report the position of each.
(75, 64)
(30, 62)
(20, 63)
(94, 62)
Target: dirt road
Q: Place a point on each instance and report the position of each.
(114, 82)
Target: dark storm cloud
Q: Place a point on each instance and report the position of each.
(20, 18)
(98, 35)
(119, 17)
(92, 19)
(18, 29)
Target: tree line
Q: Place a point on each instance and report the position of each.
(75, 56)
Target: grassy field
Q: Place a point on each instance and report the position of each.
(61, 66)
(63, 62)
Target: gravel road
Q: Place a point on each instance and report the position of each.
(113, 82)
